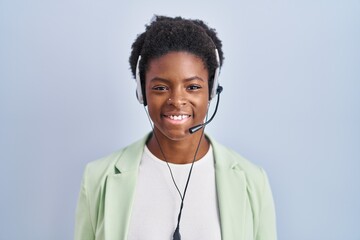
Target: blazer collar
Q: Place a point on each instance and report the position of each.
(120, 190)
(121, 185)
(130, 158)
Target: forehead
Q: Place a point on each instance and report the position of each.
(177, 65)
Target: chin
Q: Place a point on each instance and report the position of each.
(178, 136)
(175, 135)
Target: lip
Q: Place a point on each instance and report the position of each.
(176, 118)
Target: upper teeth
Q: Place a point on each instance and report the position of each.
(178, 117)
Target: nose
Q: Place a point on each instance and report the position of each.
(177, 99)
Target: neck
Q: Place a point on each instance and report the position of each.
(178, 151)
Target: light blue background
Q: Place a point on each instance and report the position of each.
(290, 104)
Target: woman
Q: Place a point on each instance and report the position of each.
(176, 182)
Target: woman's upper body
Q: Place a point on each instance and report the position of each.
(176, 63)
(106, 198)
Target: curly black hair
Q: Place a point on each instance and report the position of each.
(166, 34)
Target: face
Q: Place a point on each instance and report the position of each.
(177, 93)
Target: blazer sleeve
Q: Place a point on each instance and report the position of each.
(267, 219)
(84, 229)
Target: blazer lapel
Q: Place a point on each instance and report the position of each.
(120, 188)
(232, 195)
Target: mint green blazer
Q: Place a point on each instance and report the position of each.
(107, 192)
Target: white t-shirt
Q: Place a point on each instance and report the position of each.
(157, 202)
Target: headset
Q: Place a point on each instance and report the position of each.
(215, 88)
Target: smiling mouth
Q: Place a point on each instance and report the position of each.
(177, 117)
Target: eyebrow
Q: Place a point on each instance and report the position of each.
(185, 80)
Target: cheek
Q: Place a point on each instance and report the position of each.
(202, 107)
(154, 108)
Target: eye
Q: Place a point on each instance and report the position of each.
(194, 87)
(160, 88)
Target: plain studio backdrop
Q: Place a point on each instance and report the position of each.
(290, 104)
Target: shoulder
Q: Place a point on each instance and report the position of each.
(100, 168)
(227, 159)
(122, 160)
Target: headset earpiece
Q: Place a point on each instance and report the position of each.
(139, 94)
(215, 87)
